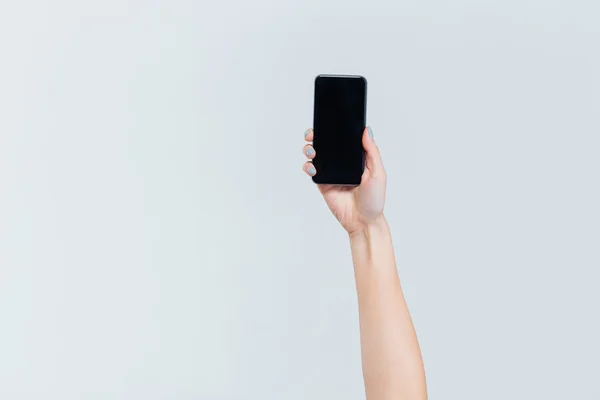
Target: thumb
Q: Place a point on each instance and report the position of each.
(373, 158)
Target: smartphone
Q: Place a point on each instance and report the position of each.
(340, 114)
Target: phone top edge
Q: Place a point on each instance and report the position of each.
(341, 76)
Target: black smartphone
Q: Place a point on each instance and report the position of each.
(340, 117)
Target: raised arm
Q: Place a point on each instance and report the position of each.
(391, 358)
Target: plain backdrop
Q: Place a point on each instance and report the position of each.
(159, 240)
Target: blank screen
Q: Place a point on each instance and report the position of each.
(339, 121)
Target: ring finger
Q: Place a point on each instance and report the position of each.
(309, 168)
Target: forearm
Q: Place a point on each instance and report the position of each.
(391, 358)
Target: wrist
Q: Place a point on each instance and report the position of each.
(374, 227)
(370, 242)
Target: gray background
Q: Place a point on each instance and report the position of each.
(158, 239)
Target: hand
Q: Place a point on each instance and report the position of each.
(355, 207)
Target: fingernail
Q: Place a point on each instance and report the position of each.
(306, 132)
(370, 131)
(309, 152)
(311, 171)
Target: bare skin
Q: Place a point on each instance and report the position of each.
(391, 359)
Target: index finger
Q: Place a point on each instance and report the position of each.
(308, 135)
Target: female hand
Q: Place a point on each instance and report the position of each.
(355, 207)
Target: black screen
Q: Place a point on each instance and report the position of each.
(339, 122)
